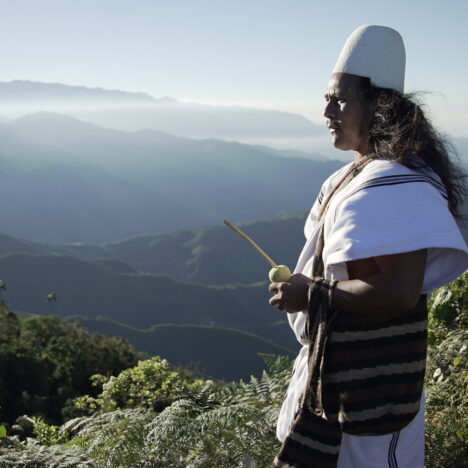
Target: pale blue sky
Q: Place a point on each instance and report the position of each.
(264, 53)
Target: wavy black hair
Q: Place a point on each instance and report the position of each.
(399, 130)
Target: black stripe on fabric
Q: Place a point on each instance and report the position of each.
(316, 424)
(306, 428)
(363, 187)
(320, 197)
(392, 463)
(304, 431)
(395, 176)
(335, 355)
(356, 395)
(348, 326)
(399, 176)
(398, 182)
(377, 342)
(369, 404)
(408, 177)
(427, 176)
(378, 381)
(374, 426)
(298, 455)
(437, 182)
(346, 364)
(395, 463)
(390, 450)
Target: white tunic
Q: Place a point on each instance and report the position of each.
(386, 209)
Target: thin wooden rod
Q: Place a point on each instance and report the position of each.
(250, 241)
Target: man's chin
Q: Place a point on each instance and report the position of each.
(339, 144)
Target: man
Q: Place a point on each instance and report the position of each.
(381, 234)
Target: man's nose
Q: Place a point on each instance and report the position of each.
(328, 111)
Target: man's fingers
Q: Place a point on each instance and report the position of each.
(276, 287)
(277, 301)
(274, 301)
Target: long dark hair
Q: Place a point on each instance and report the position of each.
(399, 130)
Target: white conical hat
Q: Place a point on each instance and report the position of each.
(376, 52)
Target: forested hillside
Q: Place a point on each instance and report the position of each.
(142, 300)
(222, 353)
(210, 255)
(114, 298)
(45, 363)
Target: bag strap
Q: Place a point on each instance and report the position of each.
(320, 312)
(353, 171)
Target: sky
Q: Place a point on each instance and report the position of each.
(274, 54)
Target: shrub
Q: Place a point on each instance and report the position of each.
(447, 377)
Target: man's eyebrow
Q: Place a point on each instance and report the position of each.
(336, 94)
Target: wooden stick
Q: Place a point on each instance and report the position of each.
(250, 241)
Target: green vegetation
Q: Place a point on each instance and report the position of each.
(196, 422)
(152, 416)
(45, 363)
(447, 377)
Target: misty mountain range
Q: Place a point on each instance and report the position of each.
(70, 181)
(23, 92)
(138, 111)
(130, 111)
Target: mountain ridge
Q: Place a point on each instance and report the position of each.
(128, 111)
(18, 91)
(218, 352)
(90, 184)
(207, 255)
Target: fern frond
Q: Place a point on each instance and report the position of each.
(45, 457)
(115, 439)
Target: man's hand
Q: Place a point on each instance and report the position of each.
(291, 296)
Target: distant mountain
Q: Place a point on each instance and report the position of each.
(222, 353)
(23, 92)
(138, 111)
(65, 180)
(94, 288)
(220, 329)
(132, 111)
(210, 255)
(292, 153)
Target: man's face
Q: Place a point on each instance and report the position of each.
(347, 113)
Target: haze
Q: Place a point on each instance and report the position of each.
(265, 54)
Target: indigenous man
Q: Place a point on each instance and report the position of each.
(380, 235)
